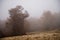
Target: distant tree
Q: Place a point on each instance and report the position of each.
(50, 21)
(57, 21)
(46, 20)
(15, 24)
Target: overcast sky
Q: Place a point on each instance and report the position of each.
(34, 7)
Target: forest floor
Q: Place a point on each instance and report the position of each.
(36, 36)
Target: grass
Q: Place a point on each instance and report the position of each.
(37, 36)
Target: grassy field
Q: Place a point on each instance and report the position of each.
(36, 36)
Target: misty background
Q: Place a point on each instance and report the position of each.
(34, 7)
(20, 16)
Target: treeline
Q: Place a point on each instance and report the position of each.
(50, 21)
(47, 22)
(17, 24)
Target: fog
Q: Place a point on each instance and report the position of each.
(35, 8)
(17, 17)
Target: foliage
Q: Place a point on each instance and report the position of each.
(15, 24)
(50, 21)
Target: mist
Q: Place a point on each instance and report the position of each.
(34, 7)
(18, 17)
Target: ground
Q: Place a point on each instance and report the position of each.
(36, 36)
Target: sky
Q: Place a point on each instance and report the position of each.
(35, 8)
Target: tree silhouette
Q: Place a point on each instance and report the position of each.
(46, 20)
(15, 24)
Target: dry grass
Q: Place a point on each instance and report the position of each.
(40, 36)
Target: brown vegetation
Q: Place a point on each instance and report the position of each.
(41, 36)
